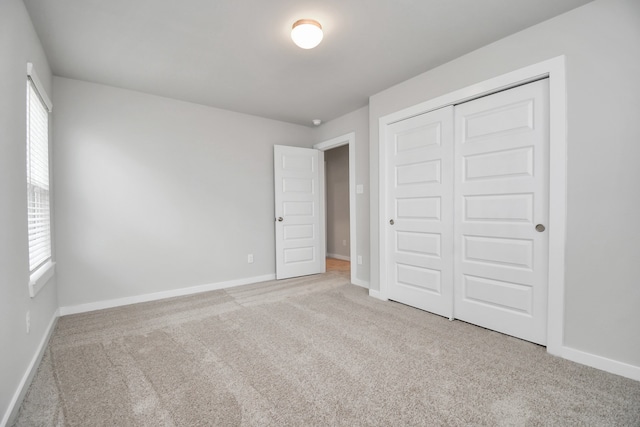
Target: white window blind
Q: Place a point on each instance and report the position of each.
(38, 212)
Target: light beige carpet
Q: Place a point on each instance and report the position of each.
(307, 352)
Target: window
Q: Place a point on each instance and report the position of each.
(38, 208)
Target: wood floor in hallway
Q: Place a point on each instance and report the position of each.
(334, 264)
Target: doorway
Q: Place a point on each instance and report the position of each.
(336, 174)
(299, 186)
(347, 144)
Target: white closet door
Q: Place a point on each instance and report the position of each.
(419, 216)
(501, 207)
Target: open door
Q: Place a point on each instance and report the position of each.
(299, 211)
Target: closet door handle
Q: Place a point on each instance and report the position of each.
(280, 219)
(540, 228)
(391, 222)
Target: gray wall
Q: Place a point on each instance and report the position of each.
(154, 194)
(601, 41)
(337, 191)
(18, 45)
(357, 122)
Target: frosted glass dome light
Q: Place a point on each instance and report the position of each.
(306, 33)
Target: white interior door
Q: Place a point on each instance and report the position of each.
(501, 204)
(419, 216)
(299, 211)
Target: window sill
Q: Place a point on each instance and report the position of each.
(40, 277)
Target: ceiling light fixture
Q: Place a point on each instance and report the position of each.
(306, 33)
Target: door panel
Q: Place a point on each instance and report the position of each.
(503, 208)
(516, 253)
(500, 294)
(501, 193)
(299, 203)
(498, 164)
(419, 201)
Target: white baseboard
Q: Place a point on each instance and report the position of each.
(340, 257)
(360, 283)
(602, 363)
(376, 294)
(101, 305)
(14, 406)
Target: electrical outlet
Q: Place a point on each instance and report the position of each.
(359, 259)
(250, 258)
(344, 243)
(28, 321)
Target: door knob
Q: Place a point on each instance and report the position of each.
(391, 222)
(540, 228)
(280, 219)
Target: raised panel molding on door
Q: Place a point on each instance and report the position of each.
(299, 211)
(501, 193)
(419, 213)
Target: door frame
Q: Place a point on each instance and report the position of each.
(554, 70)
(339, 141)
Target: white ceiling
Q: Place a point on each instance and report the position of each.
(237, 54)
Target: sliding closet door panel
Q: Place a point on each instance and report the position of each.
(501, 195)
(419, 216)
